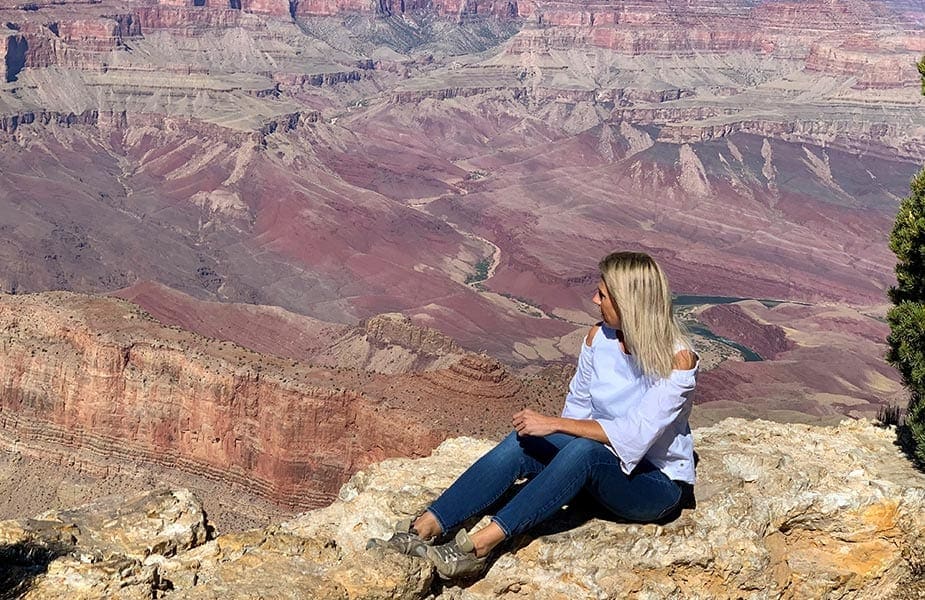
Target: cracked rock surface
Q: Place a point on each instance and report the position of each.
(783, 511)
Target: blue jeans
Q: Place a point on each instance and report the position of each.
(558, 467)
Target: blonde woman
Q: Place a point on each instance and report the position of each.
(623, 435)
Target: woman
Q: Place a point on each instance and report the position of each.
(623, 435)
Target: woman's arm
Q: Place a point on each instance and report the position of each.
(633, 434)
(529, 422)
(578, 399)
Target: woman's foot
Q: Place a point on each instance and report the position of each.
(413, 537)
(457, 558)
(465, 555)
(407, 541)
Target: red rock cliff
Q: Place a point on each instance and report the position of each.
(100, 376)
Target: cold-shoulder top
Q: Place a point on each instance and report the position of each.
(642, 418)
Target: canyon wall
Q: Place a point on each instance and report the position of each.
(97, 389)
(856, 39)
(99, 381)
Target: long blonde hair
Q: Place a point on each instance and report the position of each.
(639, 289)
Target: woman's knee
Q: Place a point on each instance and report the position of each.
(543, 447)
(581, 449)
(507, 449)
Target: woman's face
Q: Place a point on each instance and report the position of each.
(610, 313)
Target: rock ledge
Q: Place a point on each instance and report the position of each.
(784, 511)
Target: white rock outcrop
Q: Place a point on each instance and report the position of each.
(783, 511)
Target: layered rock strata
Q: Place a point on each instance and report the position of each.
(96, 381)
(783, 511)
(390, 343)
(816, 33)
(99, 391)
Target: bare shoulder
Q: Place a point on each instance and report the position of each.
(591, 333)
(684, 360)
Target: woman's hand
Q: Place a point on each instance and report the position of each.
(528, 422)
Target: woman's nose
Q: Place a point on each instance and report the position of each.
(597, 298)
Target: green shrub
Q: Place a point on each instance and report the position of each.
(907, 317)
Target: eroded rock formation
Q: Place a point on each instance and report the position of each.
(96, 380)
(390, 343)
(96, 390)
(783, 511)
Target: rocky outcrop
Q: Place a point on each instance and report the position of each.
(111, 548)
(783, 511)
(843, 133)
(865, 60)
(65, 40)
(445, 93)
(10, 123)
(97, 34)
(177, 19)
(775, 517)
(479, 376)
(289, 81)
(390, 343)
(89, 382)
(394, 328)
(732, 322)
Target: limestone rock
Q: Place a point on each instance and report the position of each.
(107, 549)
(784, 511)
(790, 511)
(279, 564)
(161, 522)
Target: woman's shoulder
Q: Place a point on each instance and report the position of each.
(684, 359)
(604, 338)
(592, 333)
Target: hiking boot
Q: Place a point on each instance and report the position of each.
(457, 558)
(405, 540)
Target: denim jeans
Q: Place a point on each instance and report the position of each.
(558, 466)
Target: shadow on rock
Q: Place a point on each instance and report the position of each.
(22, 562)
(582, 509)
(906, 443)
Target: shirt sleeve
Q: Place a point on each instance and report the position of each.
(578, 399)
(633, 434)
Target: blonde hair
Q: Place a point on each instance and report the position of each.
(639, 289)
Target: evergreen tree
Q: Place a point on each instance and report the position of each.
(907, 317)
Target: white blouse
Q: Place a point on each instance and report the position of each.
(641, 417)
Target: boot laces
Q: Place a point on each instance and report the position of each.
(452, 553)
